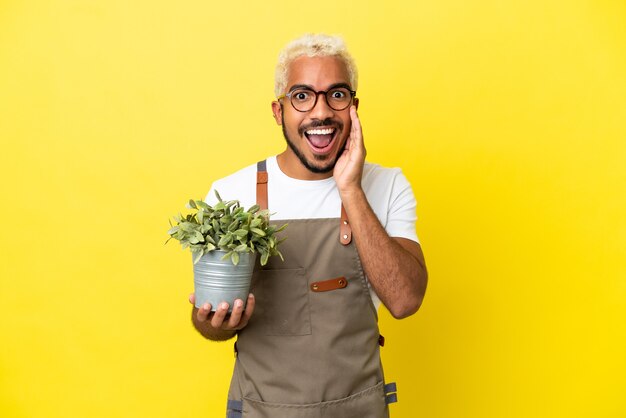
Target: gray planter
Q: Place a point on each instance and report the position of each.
(217, 280)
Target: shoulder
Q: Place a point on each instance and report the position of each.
(377, 170)
(377, 177)
(391, 197)
(387, 189)
(242, 174)
(240, 185)
(249, 171)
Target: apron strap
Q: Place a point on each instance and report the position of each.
(345, 231)
(261, 184)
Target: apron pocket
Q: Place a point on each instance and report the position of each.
(369, 403)
(283, 299)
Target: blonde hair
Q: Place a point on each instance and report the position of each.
(313, 45)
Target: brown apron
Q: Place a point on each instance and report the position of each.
(311, 348)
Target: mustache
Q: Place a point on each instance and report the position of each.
(319, 123)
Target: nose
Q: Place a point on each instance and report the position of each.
(321, 110)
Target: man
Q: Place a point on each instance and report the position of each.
(308, 341)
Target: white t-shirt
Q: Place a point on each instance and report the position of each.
(387, 190)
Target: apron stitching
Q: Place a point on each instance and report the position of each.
(376, 388)
(364, 284)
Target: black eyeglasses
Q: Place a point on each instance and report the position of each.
(304, 99)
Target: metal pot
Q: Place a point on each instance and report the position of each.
(217, 280)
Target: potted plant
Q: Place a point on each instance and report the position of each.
(224, 240)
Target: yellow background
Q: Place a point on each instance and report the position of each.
(509, 119)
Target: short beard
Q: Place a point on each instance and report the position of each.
(318, 170)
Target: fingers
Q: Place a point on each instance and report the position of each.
(238, 317)
(235, 315)
(220, 314)
(356, 123)
(203, 312)
(192, 298)
(356, 133)
(220, 319)
(249, 309)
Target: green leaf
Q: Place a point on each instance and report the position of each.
(264, 258)
(233, 225)
(186, 226)
(202, 205)
(192, 204)
(227, 255)
(173, 230)
(258, 231)
(234, 258)
(225, 240)
(197, 256)
(218, 196)
(241, 248)
(209, 247)
(254, 209)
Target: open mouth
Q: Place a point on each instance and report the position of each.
(321, 139)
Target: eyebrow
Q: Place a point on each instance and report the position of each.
(310, 87)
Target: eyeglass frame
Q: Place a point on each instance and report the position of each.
(317, 94)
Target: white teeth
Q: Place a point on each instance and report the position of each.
(326, 131)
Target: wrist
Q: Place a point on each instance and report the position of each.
(351, 194)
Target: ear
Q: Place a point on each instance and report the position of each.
(277, 111)
(356, 103)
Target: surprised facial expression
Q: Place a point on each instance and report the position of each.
(317, 137)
